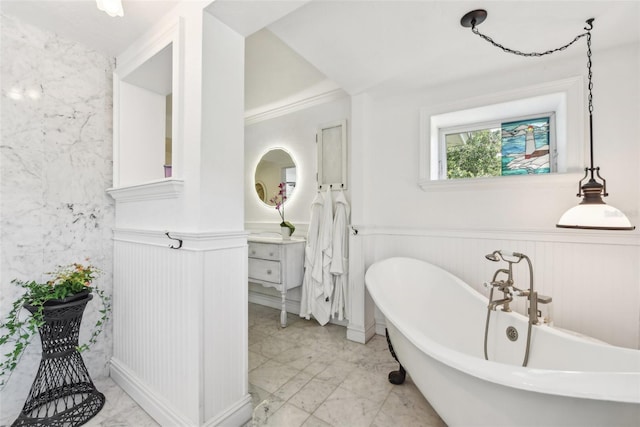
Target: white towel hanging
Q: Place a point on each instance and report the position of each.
(340, 260)
(321, 274)
(312, 257)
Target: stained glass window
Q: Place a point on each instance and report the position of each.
(514, 147)
(525, 147)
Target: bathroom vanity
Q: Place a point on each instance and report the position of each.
(276, 263)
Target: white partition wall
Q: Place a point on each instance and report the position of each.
(180, 330)
(180, 252)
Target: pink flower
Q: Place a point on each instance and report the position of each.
(279, 199)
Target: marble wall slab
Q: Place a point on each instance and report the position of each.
(55, 164)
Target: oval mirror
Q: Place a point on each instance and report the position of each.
(275, 166)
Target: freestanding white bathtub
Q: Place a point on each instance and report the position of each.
(436, 325)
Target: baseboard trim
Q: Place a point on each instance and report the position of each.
(293, 306)
(361, 335)
(158, 408)
(237, 415)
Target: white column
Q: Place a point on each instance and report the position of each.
(362, 323)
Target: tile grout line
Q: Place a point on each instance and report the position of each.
(381, 405)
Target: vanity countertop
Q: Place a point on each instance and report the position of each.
(273, 238)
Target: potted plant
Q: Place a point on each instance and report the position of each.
(286, 227)
(68, 284)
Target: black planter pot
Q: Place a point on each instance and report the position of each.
(62, 393)
(71, 298)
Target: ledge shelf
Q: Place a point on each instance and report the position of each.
(153, 190)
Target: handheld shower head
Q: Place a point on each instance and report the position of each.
(498, 255)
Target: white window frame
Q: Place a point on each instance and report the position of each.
(495, 124)
(564, 97)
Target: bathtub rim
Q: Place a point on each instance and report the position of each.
(576, 384)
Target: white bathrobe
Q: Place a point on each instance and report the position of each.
(312, 257)
(340, 258)
(321, 275)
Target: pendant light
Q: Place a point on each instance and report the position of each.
(592, 213)
(111, 7)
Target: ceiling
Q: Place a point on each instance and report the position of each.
(366, 45)
(80, 20)
(362, 45)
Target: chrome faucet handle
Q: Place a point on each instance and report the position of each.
(521, 292)
(494, 284)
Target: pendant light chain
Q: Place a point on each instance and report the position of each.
(592, 213)
(590, 88)
(590, 73)
(587, 33)
(529, 54)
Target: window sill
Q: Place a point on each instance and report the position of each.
(502, 182)
(154, 190)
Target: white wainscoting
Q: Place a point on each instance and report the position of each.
(180, 325)
(593, 277)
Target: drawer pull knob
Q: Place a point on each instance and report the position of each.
(253, 252)
(268, 271)
(270, 253)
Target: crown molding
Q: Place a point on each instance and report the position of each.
(292, 105)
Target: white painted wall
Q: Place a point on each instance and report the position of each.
(296, 133)
(218, 204)
(583, 271)
(142, 134)
(274, 71)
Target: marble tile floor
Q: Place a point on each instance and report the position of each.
(305, 375)
(119, 409)
(310, 375)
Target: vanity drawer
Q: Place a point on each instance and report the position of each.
(261, 269)
(264, 251)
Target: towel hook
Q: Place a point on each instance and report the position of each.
(173, 238)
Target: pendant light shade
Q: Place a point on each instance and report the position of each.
(595, 217)
(593, 213)
(111, 7)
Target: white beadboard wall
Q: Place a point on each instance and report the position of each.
(594, 279)
(225, 364)
(167, 309)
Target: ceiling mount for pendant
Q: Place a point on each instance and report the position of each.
(473, 18)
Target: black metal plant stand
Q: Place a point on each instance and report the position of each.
(62, 393)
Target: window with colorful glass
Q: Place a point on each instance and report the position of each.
(515, 146)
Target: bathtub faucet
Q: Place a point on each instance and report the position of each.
(508, 288)
(506, 284)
